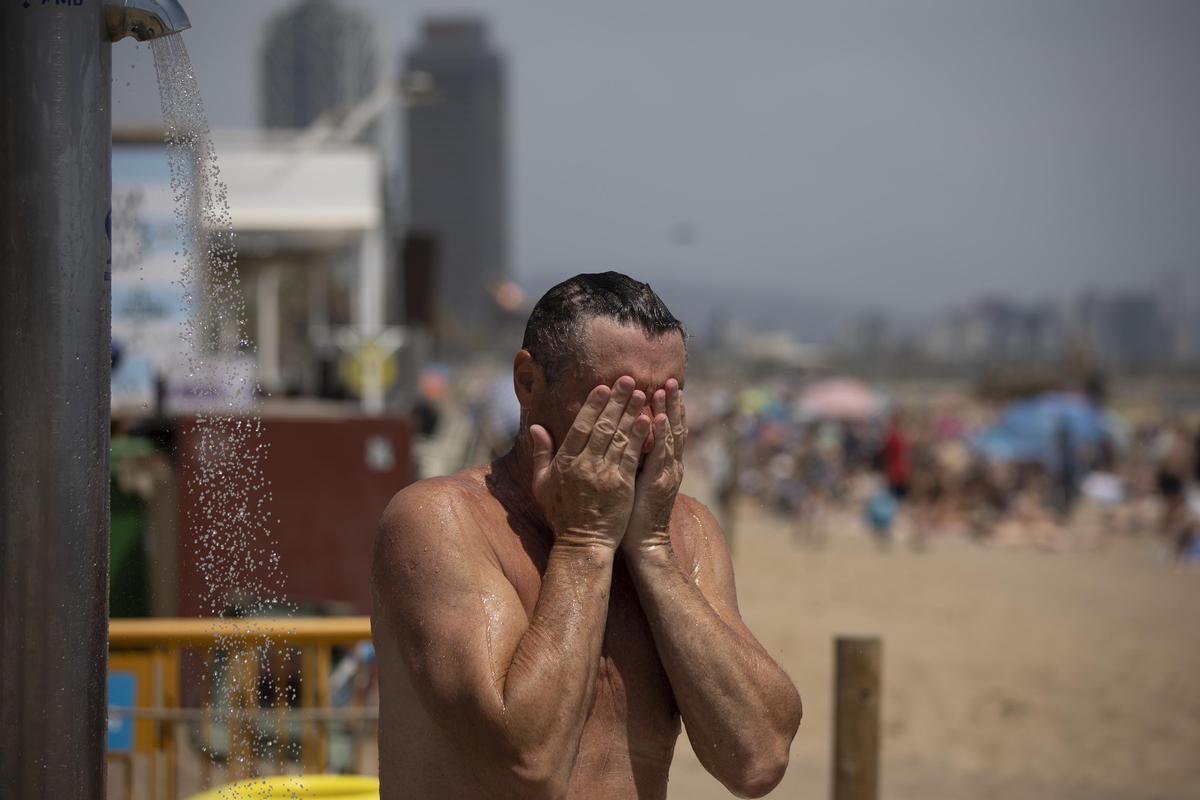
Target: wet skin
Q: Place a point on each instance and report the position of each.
(542, 623)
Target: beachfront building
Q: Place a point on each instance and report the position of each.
(457, 175)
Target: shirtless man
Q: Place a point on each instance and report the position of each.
(543, 622)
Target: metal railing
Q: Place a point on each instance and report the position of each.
(266, 692)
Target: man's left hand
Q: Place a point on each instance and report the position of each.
(658, 482)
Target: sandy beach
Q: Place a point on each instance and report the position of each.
(1007, 673)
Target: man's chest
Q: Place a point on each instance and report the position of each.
(632, 693)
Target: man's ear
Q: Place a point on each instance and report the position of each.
(528, 378)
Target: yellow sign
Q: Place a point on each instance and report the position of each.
(371, 363)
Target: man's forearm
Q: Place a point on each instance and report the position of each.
(548, 689)
(740, 709)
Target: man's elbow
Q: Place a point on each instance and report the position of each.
(795, 713)
(757, 776)
(760, 775)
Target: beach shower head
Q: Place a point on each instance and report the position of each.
(144, 19)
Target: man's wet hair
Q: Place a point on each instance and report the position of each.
(554, 333)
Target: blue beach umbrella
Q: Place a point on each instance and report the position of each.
(1030, 430)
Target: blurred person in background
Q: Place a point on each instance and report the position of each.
(721, 456)
(895, 463)
(896, 458)
(425, 416)
(925, 486)
(880, 514)
(1196, 455)
(503, 420)
(818, 469)
(1066, 471)
(1173, 454)
(546, 621)
(1104, 486)
(986, 497)
(831, 471)
(1182, 521)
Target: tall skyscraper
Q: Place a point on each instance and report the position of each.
(317, 56)
(457, 173)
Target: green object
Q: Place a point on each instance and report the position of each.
(128, 595)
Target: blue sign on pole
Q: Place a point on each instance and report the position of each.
(122, 693)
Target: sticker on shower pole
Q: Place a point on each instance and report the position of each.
(122, 693)
(130, 687)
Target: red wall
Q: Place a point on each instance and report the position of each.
(326, 500)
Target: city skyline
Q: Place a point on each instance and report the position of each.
(850, 155)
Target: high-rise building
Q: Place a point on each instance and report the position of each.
(317, 57)
(457, 174)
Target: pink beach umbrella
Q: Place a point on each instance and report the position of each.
(841, 399)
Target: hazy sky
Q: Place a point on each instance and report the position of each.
(901, 155)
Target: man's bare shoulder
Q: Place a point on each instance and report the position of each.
(696, 510)
(687, 529)
(435, 495)
(694, 519)
(443, 511)
(707, 555)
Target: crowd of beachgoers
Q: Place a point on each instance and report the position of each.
(1058, 470)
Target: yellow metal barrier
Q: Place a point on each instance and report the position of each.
(148, 655)
(309, 787)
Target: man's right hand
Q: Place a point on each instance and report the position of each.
(586, 489)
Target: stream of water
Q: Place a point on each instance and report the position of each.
(233, 549)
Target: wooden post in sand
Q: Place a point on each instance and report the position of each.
(857, 663)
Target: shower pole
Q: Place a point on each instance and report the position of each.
(55, 307)
(55, 358)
